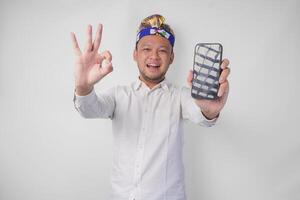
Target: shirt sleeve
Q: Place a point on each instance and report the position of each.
(96, 105)
(190, 110)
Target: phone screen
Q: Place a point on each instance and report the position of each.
(206, 70)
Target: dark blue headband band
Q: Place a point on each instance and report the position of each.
(156, 31)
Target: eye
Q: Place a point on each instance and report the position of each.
(163, 51)
(146, 49)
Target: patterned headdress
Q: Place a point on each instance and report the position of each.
(154, 25)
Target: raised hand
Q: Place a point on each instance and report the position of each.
(88, 64)
(212, 108)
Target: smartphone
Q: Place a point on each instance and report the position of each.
(206, 70)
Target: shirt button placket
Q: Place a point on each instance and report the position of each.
(141, 144)
(140, 155)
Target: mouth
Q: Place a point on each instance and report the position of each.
(153, 65)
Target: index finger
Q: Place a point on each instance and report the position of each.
(106, 55)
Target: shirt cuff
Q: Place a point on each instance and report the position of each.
(87, 99)
(202, 119)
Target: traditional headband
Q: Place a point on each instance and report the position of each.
(156, 31)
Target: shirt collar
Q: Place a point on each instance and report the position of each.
(163, 84)
(137, 84)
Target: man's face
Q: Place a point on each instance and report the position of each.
(153, 55)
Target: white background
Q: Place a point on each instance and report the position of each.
(48, 152)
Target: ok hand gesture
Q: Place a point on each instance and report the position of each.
(88, 63)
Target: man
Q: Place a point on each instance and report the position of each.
(147, 115)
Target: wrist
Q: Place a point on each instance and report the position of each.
(209, 115)
(83, 91)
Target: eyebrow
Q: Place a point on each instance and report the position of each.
(148, 44)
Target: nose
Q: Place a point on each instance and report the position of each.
(154, 54)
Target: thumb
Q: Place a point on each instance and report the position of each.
(190, 78)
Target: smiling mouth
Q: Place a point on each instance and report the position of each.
(153, 65)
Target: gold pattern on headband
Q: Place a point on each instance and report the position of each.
(157, 21)
(154, 21)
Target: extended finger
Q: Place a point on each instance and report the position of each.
(98, 38)
(223, 88)
(224, 63)
(225, 73)
(75, 44)
(89, 45)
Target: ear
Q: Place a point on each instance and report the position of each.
(135, 54)
(172, 57)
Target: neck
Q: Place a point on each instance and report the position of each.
(151, 83)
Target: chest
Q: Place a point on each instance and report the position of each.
(155, 109)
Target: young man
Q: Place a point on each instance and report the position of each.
(147, 115)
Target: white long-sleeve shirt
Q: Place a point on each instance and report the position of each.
(148, 137)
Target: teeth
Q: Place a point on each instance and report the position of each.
(153, 65)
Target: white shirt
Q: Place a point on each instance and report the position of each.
(148, 137)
